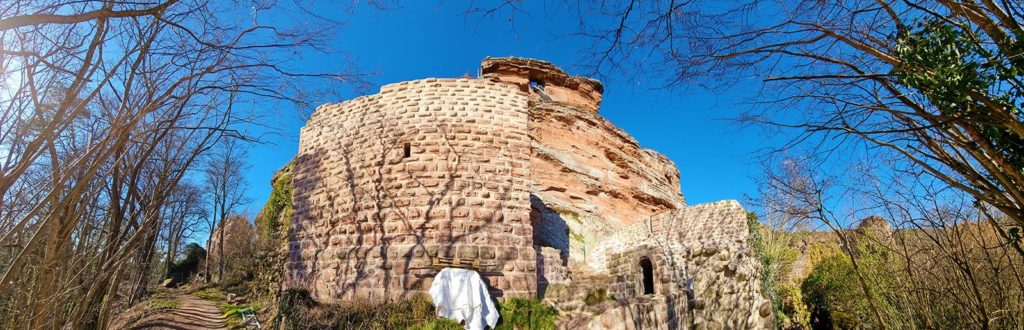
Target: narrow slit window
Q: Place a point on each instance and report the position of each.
(406, 150)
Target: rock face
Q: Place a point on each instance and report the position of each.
(588, 176)
(517, 171)
(531, 76)
(593, 177)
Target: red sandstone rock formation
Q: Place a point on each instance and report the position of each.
(531, 75)
(589, 177)
(519, 170)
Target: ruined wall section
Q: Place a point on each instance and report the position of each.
(551, 267)
(425, 168)
(593, 177)
(590, 178)
(536, 77)
(702, 249)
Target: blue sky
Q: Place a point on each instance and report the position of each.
(694, 127)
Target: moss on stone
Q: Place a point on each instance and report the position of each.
(556, 290)
(567, 214)
(162, 301)
(577, 237)
(276, 215)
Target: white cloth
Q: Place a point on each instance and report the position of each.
(460, 294)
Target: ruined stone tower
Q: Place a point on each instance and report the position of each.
(518, 170)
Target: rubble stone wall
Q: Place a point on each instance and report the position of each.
(700, 250)
(549, 228)
(666, 311)
(426, 168)
(551, 266)
(629, 274)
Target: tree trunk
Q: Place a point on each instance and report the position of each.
(209, 255)
(220, 250)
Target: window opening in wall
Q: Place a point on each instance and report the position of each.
(538, 87)
(406, 151)
(648, 273)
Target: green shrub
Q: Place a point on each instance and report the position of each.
(833, 296)
(183, 269)
(794, 312)
(278, 207)
(519, 313)
(776, 260)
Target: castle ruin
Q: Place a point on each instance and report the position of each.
(516, 170)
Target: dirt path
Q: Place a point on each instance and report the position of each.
(192, 313)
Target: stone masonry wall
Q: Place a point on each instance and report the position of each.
(701, 249)
(665, 311)
(723, 221)
(516, 169)
(551, 266)
(629, 275)
(426, 168)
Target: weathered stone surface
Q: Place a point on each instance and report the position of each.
(589, 177)
(667, 311)
(593, 177)
(426, 168)
(517, 169)
(551, 267)
(555, 84)
(701, 250)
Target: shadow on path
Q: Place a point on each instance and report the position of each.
(192, 313)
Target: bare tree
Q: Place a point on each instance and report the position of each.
(927, 92)
(105, 106)
(183, 214)
(943, 266)
(801, 196)
(935, 82)
(235, 243)
(223, 171)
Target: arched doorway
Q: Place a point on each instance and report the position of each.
(647, 270)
